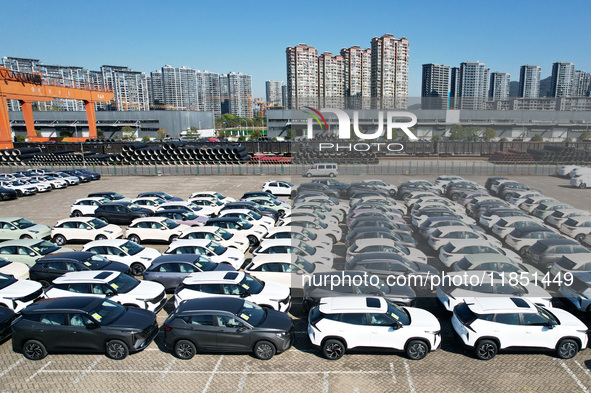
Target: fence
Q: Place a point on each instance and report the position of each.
(384, 167)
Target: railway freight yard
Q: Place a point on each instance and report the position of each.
(302, 367)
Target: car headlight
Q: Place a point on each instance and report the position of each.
(281, 335)
(108, 231)
(34, 231)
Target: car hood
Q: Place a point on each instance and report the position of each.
(146, 290)
(148, 253)
(223, 267)
(276, 320)
(116, 267)
(39, 228)
(20, 288)
(423, 318)
(273, 290)
(567, 319)
(18, 270)
(134, 318)
(61, 250)
(232, 252)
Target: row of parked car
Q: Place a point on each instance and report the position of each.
(580, 177)
(33, 181)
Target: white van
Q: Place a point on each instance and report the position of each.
(323, 169)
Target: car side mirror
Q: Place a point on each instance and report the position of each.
(242, 329)
(396, 325)
(300, 272)
(32, 254)
(13, 228)
(162, 228)
(91, 326)
(89, 228)
(244, 294)
(551, 325)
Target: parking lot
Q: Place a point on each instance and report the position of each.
(450, 369)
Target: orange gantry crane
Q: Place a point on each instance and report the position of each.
(31, 87)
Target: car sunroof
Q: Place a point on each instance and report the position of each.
(372, 302)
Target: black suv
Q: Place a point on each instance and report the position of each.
(52, 266)
(114, 196)
(159, 194)
(506, 190)
(491, 180)
(99, 325)
(120, 212)
(357, 188)
(455, 189)
(255, 207)
(223, 324)
(333, 184)
(315, 187)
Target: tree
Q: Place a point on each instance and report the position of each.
(489, 134)
(37, 132)
(193, 132)
(221, 133)
(436, 138)
(288, 134)
(255, 135)
(145, 138)
(65, 133)
(568, 139)
(584, 136)
(537, 138)
(161, 133)
(241, 138)
(19, 138)
(100, 133)
(127, 132)
(503, 139)
(471, 133)
(456, 132)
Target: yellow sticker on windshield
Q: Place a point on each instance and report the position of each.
(244, 316)
(36, 248)
(87, 263)
(96, 316)
(394, 315)
(198, 264)
(115, 286)
(124, 248)
(245, 286)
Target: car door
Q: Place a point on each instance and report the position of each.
(509, 330)
(385, 332)
(203, 330)
(354, 328)
(53, 270)
(167, 274)
(537, 332)
(232, 334)
(82, 333)
(52, 331)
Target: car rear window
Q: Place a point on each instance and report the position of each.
(464, 264)
(538, 248)
(448, 247)
(464, 314)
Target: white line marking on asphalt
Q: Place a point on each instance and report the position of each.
(215, 369)
(217, 372)
(585, 370)
(83, 373)
(167, 369)
(37, 372)
(392, 371)
(325, 383)
(573, 376)
(411, 387)
(13, 365)
(242, 379)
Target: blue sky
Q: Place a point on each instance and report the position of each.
(251, 37)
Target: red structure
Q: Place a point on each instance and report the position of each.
(29, 88)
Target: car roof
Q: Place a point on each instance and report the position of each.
(76, 219)
(279, 258)
(116, 204)
(475, 259)
(167, 258)
(374, 242)
(224, 219)
(470, 242)
(218, 303)
(166, 211)
(500, 305)
(80, 303)
(214, 276)
(106, 242)
(21, 242)
(189, 242)
(512, 219)
(453, 228)
(90, 199)
(149, 219)
(8, 219)
(266, 243)
(71, 256)
(90, 276)
(352, 304)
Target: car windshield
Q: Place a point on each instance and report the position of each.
(168, 223)
(308, 249)
(252, 284)
(252, 313)
(17, 183)
(131, 248)
(22, 223)
(45, 247)
(565, 263)
(97, 224)
(114, 196)
(254, 215)
(308, 234)
(133, 206)
(205, 264)
(307, 266)
(223, 234)
(107, 312)
(245, 224)
(6, 281)
(398, 313)
(190, 215)
(216, 248)
(218, 195)
(123, 283)
(96, 262)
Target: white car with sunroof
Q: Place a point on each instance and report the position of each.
(211, 249)
(219, 235)
(84, 229)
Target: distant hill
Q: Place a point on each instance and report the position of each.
(545, 87)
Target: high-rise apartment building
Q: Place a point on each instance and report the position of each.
(331, 80)
(302, 76)
(499, 85)
(357, 74)
(562, 79)
(274, 95)
(454, 88)
(208, 88)
(529, 81)
(130, 88)
(240, 93)
(157, 93)
(389, 71)
(435, 86)
(473, 80)
(580, 86)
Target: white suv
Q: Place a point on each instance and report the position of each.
(341, 323)
(115, 286)
(489, 324)
(234, 284)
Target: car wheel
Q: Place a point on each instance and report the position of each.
(134, 238)
(101, 237)
(264, 350)
(34, 350)
(331, 175)
(333, 238)
(507, 197)
(19, 193)
(567, 348)
(252, 240)
(416, 349)
(523, 251)
(137, 269)
(486, 349)
(185, 349)
(582, 185)
(308, 175)
(117, 350)
(103, 219)
(59, 240)
(579, 237)
(333, 349)
(281, 213)
(173, 238)
(23, 237)
(76, 213)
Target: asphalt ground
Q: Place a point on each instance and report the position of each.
(450, 369)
